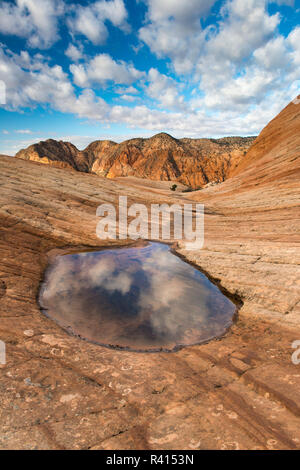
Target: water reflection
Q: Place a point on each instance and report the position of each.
(141, 298)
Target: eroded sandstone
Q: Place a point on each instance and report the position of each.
(239, 392)
(193, 162)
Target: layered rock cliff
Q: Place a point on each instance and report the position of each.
(194, 162)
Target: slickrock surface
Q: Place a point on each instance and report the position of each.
(194, 162)
(263, 199)
(238, 392)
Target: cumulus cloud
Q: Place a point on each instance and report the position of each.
(89, 21)
(244, 59)
(128, 98)
(273, 55)
(246, 27)
(293, 41)
(102, 69)
(26, 18)
(114, 11)
(242, 70)
(74, 53)
(174, 30)
(164, 90)
(33, 82)
(186, 14)
(87, 24)
(121, 90)
(38, 21)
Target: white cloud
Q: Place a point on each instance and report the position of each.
(124, 90)
(29, 84)
(164, 90)
(87, 24)
(114, 11)
(38, 21)
(23, 131)
(293, 41)
(74, 53)
(28, 19)
(174, 30)
(102, 69)
(242, 72)
(246, 27)
(89, 21)
(244, 59)
(239, 93)
(128, 98)
(273, 55)
(185, 13)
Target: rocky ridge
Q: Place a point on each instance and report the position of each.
(193, 162)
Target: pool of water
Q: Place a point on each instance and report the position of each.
(139, 298)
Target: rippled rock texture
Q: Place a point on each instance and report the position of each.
(240, 392)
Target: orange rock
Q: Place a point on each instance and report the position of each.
(194, 162)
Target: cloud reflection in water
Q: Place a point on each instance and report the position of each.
(142, 298)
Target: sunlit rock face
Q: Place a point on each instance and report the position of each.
(193, 162)
(142, 298)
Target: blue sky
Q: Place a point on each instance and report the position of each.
(116, 69)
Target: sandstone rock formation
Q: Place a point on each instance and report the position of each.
(59, 154)
(276, 146)
(239, 392)
(272, 161)
(194, 162)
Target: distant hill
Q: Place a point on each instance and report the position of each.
(194, 162)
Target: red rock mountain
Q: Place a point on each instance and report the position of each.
(59, 154)
(194, 162)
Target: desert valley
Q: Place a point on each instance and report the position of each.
(238, 391)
